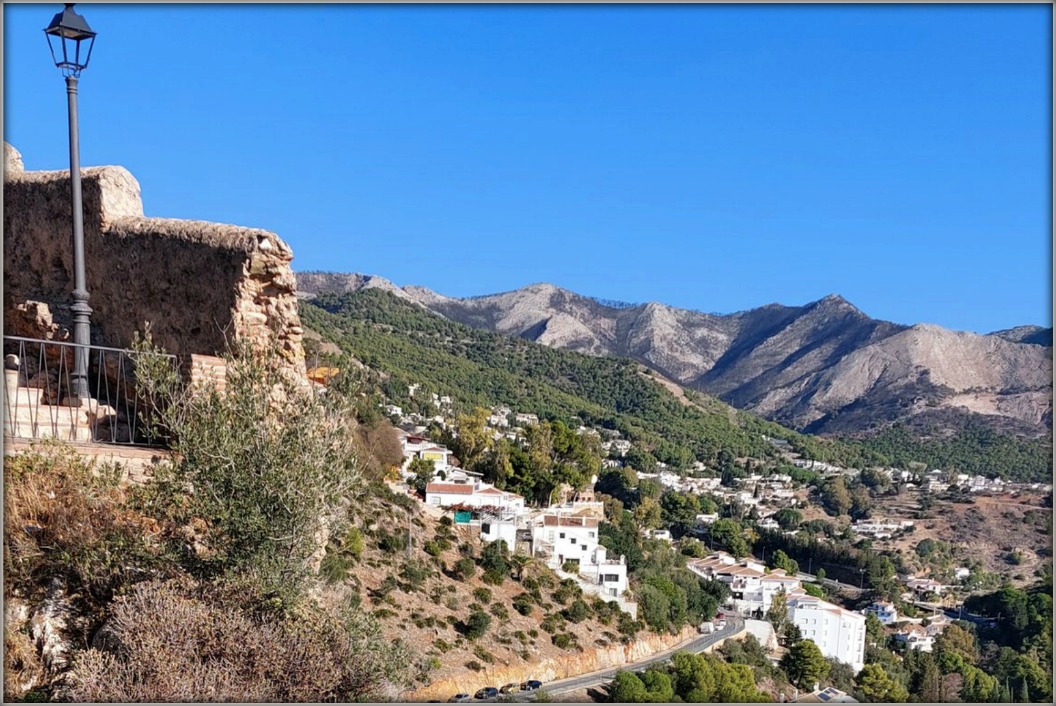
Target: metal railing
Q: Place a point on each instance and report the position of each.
(39, 401)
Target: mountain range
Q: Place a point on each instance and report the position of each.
(824, 367)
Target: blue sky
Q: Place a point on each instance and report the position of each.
(710, 157)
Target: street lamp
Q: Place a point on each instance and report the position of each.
(71, 40)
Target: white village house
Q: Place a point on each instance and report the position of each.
(838, 633)
(884, 611)
(559, 537)
(481, 504)
(752, 587)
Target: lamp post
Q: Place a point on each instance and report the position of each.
(71, 40)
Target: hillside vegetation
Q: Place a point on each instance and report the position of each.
(480, 368)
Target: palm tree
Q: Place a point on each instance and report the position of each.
(519, 562)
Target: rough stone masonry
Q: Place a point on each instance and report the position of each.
(197, 283)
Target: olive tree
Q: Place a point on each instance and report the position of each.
(262, 467)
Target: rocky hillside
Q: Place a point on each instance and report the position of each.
(824, 367)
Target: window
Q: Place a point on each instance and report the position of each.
(562, 535)
(572, 540)
(583, 547)
(590, 534)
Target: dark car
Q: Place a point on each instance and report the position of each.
(531, 685)
(488, 692)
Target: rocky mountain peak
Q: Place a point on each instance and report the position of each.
(824, 366)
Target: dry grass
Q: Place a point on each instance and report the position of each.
(171, 641)
(23, 669)
(66, 518)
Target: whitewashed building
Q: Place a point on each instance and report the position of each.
(884, 611)
(838, 633)
(422, 447)
(480, 504)
(914, 637)
(560, 537)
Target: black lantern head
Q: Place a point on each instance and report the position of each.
(70, 40)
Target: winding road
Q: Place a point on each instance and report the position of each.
(734, 626)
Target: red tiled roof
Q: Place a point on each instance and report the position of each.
(455, 488)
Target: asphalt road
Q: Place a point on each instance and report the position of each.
(848, 587)
(734, 626)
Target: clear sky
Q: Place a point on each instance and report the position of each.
(710, 157)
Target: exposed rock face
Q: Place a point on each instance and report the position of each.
(823, 367)
(1026, 334)
(48, 626)
(589, 660)
(197, 283)
(12, 160)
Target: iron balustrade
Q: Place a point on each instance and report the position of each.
(40, 397)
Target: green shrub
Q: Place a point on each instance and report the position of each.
(475, 665)
(494, 560)
(443, 645)
(567, 591)
(523, 604)
(432, 548)
(484, 655)
(415, 575)
(552, 623)
(392, 543)
(500, 611)
(464, 568)
(264, 474)
(335, 566)
(577, 612)
(628, 626)
(570, 567)
(476, 625)
(563, 640)
(482, 594)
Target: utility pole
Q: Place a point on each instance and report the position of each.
(410, 540)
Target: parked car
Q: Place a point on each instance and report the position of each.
(510, 688)
(488, 692)
(706, 628)
(460, 699)
(531, 685)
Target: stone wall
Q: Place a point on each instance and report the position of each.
(199, 284)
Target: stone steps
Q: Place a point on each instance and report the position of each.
(27, 416)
